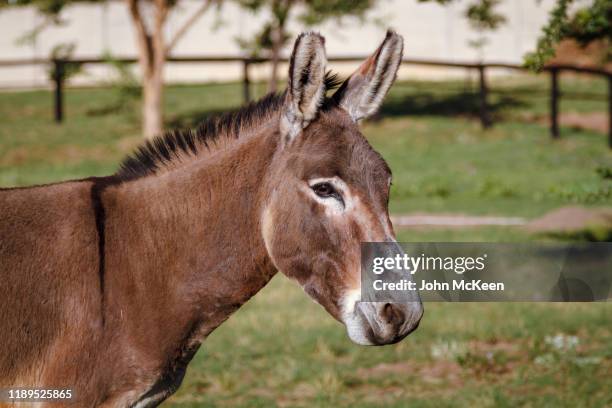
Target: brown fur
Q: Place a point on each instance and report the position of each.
(109, 285)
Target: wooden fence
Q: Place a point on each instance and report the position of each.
(483, 89)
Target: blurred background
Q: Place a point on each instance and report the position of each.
(497, 130)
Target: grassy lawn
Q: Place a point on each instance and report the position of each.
(441, 159)
(282, 349)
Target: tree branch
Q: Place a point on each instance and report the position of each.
(145, 46)
(162, 9)
(188, 24)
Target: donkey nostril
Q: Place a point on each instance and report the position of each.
(387, 308)
(393, 315)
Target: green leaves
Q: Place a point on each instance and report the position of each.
(311, 12)
(588, 24)
(318, 11)
(552, 33)
(482, 15)
(591, 23)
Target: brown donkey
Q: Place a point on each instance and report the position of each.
(109, 285)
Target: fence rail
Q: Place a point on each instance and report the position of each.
(481, 68)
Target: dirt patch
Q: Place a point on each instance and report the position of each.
(383, 369)
(440, 371)
(480, 360)
(495, 346)
(493, 358)
(417, 220)
(595, 121)
(565, 219)
(571, 219)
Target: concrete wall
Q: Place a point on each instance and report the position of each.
(431, 31)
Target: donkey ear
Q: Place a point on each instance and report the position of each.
(306, 89)
(363, 92)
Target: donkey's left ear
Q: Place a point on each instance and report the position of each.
(363, 92)
(306, 88)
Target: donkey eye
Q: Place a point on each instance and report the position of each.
(326, 190)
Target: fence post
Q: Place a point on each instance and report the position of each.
(58, 79)
(485, 120)
(246, 84)
(610, 111)
(554, 103)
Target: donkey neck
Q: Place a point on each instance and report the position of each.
(184, 248)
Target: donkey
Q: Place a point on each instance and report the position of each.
(110, 284)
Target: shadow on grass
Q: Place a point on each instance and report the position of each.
(599, 233)
(462, 104)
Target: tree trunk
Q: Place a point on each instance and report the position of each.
(152, 109)
(276, 37)
(152, 58)
(152, 54)
(280, 15)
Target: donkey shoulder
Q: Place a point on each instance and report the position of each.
(48, 257)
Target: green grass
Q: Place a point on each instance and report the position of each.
(283, 350)
(442, 161)
(451, 165)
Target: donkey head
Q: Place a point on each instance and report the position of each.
(328, 190)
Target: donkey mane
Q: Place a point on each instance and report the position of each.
(157, 153)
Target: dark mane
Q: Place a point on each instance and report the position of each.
(154, 154)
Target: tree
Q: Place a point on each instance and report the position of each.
(153, 49)
(273, 36)
(586, 25)
(483, 17)
(149, 18)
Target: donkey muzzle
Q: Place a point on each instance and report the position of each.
(387, 323)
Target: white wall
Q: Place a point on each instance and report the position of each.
(431, 31)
